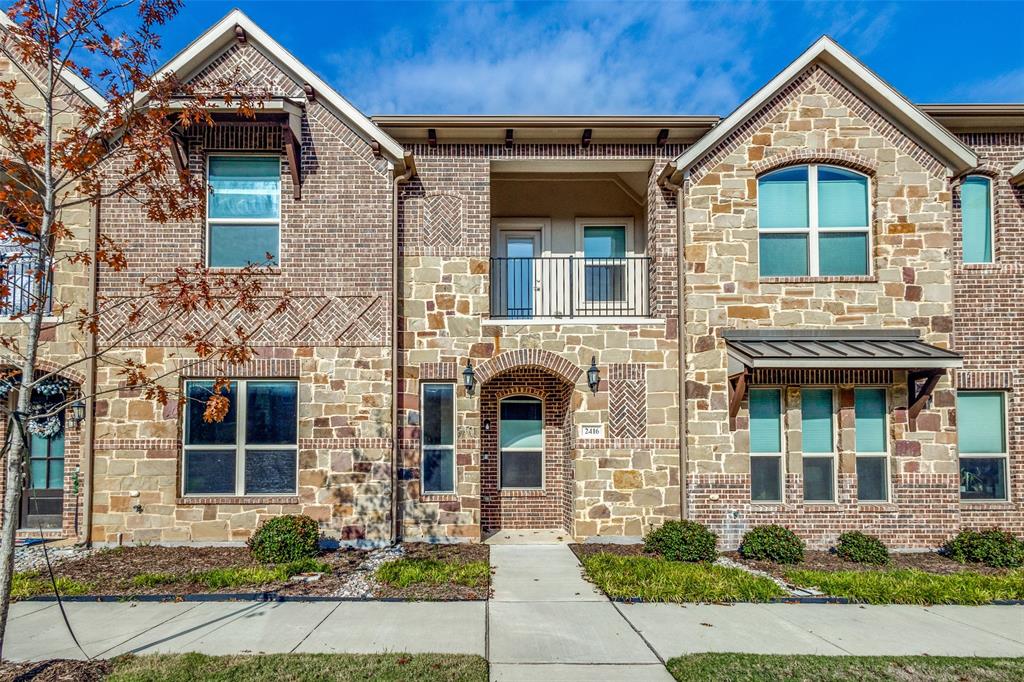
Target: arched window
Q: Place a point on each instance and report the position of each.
(976, 209)
(813, 221)
(521, 443)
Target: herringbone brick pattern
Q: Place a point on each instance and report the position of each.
(627, 401)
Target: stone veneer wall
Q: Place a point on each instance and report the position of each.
(622, 485)
(60, 346)
(815, 118)
(334, 339)
(987, 325)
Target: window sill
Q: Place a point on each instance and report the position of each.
(578, 321)
(268, 272)
(245, 499)
(521, 492)
(981, 266)
(439, 497)
(994, 505)
(830, 507)
(833, 279)
(877, 507)
(767, 507)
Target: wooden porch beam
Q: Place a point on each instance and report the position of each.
(294, 154)
(177, 153)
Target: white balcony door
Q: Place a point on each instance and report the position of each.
(520, 273)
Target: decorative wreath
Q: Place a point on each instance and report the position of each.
(45, 427)
(53, 387)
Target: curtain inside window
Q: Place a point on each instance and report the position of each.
(782, 255)
(816, 419)
(869, 419)
(765, 420)
(521, 425)
(975, 202)
(244, 187)
(842, 253)
(782, 198)
(979, 418)
(604, 242)
(842, 198)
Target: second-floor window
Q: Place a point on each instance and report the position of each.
(976, 209)
(813, 221)
(243, 210)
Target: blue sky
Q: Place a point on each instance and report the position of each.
(623, 57)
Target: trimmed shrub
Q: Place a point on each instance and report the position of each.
(862, 548)
(772, 543)
(285, 538)
(682, 541)
(992, 547)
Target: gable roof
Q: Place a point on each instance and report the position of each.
(221, 35)
(939, 141)
(70, 78)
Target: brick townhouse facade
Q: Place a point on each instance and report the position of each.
(583, 324)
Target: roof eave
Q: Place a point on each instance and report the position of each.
(1017, 174)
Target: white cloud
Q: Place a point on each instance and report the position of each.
(567, 59)
(1006, 87)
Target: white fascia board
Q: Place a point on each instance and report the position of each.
(220, 35)
(939, 140)
(70, 78)
(1017, 174)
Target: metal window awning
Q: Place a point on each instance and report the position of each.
(751, 349)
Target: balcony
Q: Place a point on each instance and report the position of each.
(570, 287)
(18, 276)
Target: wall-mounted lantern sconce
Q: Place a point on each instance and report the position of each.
(593, 375)
(468, 377)
(78, 412)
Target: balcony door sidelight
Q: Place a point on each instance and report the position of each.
(42, 505)
(521, 440)
(517, 274)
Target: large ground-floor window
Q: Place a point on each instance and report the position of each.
(253, 450)
(981, 430)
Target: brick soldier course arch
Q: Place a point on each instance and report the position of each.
(529, 357)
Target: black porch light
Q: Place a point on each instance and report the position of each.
(593, 375)
(469, 377)
(78, 412)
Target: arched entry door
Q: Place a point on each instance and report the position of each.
(521, 439)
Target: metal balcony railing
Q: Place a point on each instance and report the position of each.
(18, 276)
(570, 287)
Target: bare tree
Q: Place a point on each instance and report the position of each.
(68, 145)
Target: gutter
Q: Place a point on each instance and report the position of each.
(665, 181)
(410, 171)
(89, 426)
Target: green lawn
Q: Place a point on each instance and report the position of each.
(912, 587)
(760, 668)
(408, 572)
(658, 580)
(296, 667)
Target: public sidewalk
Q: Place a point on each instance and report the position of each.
(544, 623)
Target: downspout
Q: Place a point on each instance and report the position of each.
(89, 426)
(396, 294)
(665, 179)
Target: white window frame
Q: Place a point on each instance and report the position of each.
(781, 455)
(633, 298)
(820, 455)
(538, 229)
(1005, 455)
(991, 219)
(543, 438)
(455, 438)
(229, 222)
(241, 399)
(884, 455)
(813, 229)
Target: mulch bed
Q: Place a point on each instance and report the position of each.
(929, 562)
(110, 572)
(460, 552)
(591, 548)
(57, 670)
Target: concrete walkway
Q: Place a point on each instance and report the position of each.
(544, 623)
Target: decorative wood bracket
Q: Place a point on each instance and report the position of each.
(294, 153)
(176, 147)
(918, 395)
(737, 391)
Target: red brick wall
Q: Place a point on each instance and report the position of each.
(547, 508)
(987, 327)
